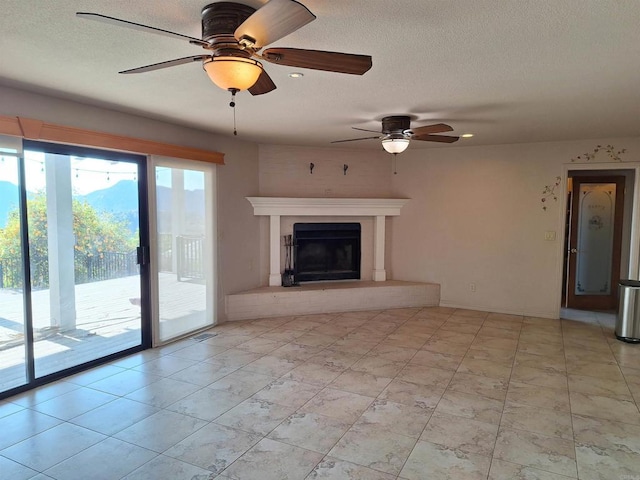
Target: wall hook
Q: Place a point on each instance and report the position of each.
(311, 165)
(345, 167)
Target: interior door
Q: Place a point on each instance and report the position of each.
(595, 241)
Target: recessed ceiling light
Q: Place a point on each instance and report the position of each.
(467, 135)
(296, 75)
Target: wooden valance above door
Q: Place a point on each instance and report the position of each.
(38, 130)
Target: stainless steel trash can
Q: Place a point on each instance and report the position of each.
(628, 320)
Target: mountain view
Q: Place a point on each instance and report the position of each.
(121, 200)
(8, 200)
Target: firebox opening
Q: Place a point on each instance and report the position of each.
(326, 251)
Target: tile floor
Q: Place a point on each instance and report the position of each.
(432, 393)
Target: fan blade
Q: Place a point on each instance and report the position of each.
(139, 26)
(319, 60)
(365, 130)
(355, 139)
(263, 85)
(274, 20)
(435, 138)
(437, 128)
(168, 63)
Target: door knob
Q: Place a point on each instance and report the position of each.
(574, 250)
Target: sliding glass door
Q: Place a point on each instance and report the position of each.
(13, 328)
(70, 255)
(184, 267)
(79, 281)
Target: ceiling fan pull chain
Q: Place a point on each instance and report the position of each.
(232, 104)
(395, 170)
(235, 132)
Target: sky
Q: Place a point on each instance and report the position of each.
(87, 174)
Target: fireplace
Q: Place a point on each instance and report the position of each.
(279, 208)
(326, 251)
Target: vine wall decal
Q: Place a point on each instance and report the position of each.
(610, 150)
(549, 193)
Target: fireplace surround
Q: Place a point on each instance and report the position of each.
(277, 207)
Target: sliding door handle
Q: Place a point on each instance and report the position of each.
(143, 255)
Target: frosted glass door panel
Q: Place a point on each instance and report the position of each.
(595, 238)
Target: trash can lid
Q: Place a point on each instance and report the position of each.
(630, 283)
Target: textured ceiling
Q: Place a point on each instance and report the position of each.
(508, 71)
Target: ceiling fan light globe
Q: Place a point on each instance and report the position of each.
(233, 73)
(395, 145)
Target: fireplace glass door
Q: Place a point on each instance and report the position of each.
(326, 251)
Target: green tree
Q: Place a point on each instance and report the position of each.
(96, 235)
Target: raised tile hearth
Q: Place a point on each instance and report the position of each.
(327, 297)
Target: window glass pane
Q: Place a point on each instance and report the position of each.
(184, 224)
(83, 232)
(13, 372)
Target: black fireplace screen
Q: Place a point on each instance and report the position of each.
(326, 251)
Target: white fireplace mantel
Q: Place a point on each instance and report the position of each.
(276, 207)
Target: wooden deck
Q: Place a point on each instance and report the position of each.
(106, 322)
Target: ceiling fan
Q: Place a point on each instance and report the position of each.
(397, 133)
(233, 36)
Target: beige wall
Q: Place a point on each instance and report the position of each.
(475, 214)
(476, 217)
(238, 251)
(284, 172)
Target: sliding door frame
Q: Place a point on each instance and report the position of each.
(26, 271)
(146, 341)
(22, 128)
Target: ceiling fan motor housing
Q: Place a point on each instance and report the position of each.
(220, 21)
(396, 124)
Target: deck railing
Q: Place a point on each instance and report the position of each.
(190, 257)
(10, 273)
(87, 269)
(107, 265)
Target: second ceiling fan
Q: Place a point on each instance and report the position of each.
(234, 34)
(396, 133)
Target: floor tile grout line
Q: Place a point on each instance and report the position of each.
(573, 431)
(288, 416)
(624, 377)
(414, 354)
(500, 427)
(407, 362)
(504, 405)
(429, 419)
(356, 421)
